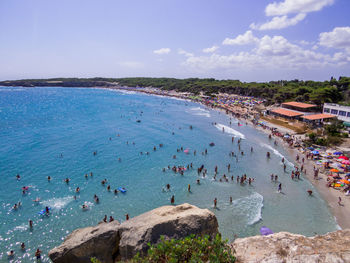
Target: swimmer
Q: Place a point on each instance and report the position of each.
(38, 254)
(108, 188)
(47, 210)
(77, 189)
(172, 200)
(309, 192)
(84, 207)
(18, 177)
(15, 207)
(189, 188)
(280, 188)
(36, 200)
(23, 246)
(198, 181)
(230, 199)
(11, 254)
(215, 202)
(30, 224)
(115, 191)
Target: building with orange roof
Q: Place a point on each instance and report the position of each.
(299, 106)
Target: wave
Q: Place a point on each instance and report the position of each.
(200, 111)
(57, 203)
(250, 207)
(277, 153)
(230, 130)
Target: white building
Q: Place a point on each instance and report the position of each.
(342, 112)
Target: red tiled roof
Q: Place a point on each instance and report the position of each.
(318, 116)
(299, 104)
(288, 113)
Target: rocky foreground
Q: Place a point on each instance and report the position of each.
(110, 242)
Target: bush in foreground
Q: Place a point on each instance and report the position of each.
(189, 249)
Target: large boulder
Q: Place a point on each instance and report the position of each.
(113, 241)
(168, 221)
(285, 247)
(100, 241)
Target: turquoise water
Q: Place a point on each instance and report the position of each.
(37, 125)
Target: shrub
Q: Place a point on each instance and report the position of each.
(189, 249)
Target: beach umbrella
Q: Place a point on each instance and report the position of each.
(315, 152)
(337, 153)
(311, 148)
(343, 157)
(334, 170)
(345, 162)
(265, 231)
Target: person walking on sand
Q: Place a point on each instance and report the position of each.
(339, 201)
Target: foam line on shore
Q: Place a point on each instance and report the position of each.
(251, 206)
(229, 130)
(198, 111)
(277, 153)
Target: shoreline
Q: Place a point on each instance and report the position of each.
(329, 195)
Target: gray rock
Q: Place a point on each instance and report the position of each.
(168, 221)
(82, 244)
(285, 247)
(110, 241)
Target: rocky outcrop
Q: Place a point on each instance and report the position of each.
(285, 247)
(168, 221)
(110, 241)
(82, 244)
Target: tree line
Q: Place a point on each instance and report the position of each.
(318, 92)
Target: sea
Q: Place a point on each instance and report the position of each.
(51, 131)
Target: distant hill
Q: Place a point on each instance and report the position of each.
(336, 91)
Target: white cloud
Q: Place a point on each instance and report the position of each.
(162, 51)
(281, 10)
(338, 38)
(279, 22)
(185, 53)
(210, 49)
(269, 53)
(295, 6)
(246, 38)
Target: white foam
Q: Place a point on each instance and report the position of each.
(230, 130)
(200, 111)
(277, 153)
(250, 206)
(57, 203)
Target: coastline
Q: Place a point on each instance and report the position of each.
(330, 196)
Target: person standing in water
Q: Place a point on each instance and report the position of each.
(280, 188)
(215, 202)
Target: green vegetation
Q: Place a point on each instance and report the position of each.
(189, 249)
(336, 91)
(332, 135)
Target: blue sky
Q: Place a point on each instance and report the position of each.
(250, 40)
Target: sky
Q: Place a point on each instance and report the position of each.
(249, 40)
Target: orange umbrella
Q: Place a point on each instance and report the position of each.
(344, 181)
(334, 170)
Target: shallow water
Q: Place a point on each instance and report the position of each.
(39, 124)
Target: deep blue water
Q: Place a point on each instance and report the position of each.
(37, 125)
